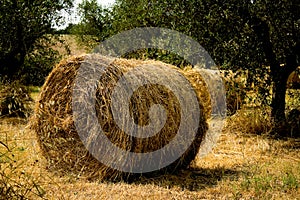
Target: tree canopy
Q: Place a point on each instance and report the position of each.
(259, 36)
(25, 30)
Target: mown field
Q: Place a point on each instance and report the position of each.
(241, 166)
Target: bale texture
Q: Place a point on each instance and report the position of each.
(53, 120)
(197, 81)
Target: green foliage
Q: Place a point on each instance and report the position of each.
(293, 99)
(39, 63)
(261, 37)
(66, 31)
(25, 27)
(293, 119)
(15, 100)
(227, 29)
(95, 23)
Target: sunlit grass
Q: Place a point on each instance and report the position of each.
(240, 167)
(243, 165)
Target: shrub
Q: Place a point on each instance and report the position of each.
(251, 121)
(14, 100)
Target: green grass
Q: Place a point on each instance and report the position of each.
(35, 90)
(265, 185)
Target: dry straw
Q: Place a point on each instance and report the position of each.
(15, 100)
(58, 138)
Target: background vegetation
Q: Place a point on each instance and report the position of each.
(260, 38)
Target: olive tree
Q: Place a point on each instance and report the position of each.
(26, 28)
(261, 37)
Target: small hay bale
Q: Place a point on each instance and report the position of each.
(54, 124)
(235, 90)
(15, 100)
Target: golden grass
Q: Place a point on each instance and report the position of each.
(240, 167)
(250, 121)
(73, 47)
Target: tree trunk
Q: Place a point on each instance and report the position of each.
(278, 104)
(280, 77)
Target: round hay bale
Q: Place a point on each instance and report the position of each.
(197, 81)
(54, 124)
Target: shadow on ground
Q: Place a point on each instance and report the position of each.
(291, 144)
(192, 179)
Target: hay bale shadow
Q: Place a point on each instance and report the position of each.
(291, 144)
(193, 179)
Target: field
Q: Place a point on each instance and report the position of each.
(241, 166)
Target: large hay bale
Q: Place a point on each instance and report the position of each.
(54, 124)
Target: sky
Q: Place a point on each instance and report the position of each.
(102, 2)
(74, 19)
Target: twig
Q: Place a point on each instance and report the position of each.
(4, 145)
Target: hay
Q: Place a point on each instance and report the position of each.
(15, 100)
(235, 85)
(197, 81)
(214, 98)
(53, 121)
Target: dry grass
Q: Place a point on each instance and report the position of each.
(240, 167)
(250, 121)
(14, 100)
(20, 165)
(69, 46)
